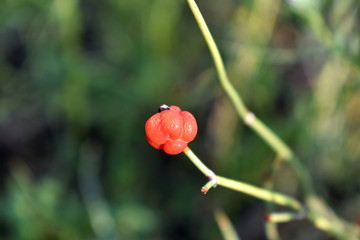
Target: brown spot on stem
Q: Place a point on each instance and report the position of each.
(267, 217)
(204, 190)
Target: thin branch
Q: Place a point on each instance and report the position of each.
(246, 188)
(266, 133)
(334, 226)
(227, 229)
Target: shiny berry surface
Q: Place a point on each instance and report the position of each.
(171, 129)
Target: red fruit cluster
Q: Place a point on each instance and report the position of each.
(171, 129)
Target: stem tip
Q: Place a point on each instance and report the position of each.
(204, 190)
(267, 217)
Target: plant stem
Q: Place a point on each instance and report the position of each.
(303, 176)
(283, 151)
(284, 217)
(230, 90)
(272, 139)
(254, 191)
(271, 231)
(211, 183)
(198, 163)
(260, 193)
(271, 228)
(227, 229)
(266, 133)
(336, 226)
(332, 225)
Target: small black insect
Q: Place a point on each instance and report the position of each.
(163, 108)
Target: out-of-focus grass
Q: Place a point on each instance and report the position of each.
(94, 71)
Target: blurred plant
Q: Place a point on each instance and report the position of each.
(227, 229)
(78, 72)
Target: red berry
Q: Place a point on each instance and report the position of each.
(171, 129)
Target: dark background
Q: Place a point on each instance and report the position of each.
(79, 79)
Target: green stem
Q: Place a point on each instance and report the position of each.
(260, 193)
(230, 90)
(283, 151)
(336, 229)
(333, 226)
(198, 163)
(266, 133)
(273, 141)
(211, 183)
(254, 191)
(271, 228)
(271, 231)
(281, 148)
(284, 217)
(227, 229)
(303, 176)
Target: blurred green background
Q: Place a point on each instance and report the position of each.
(79, 79)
